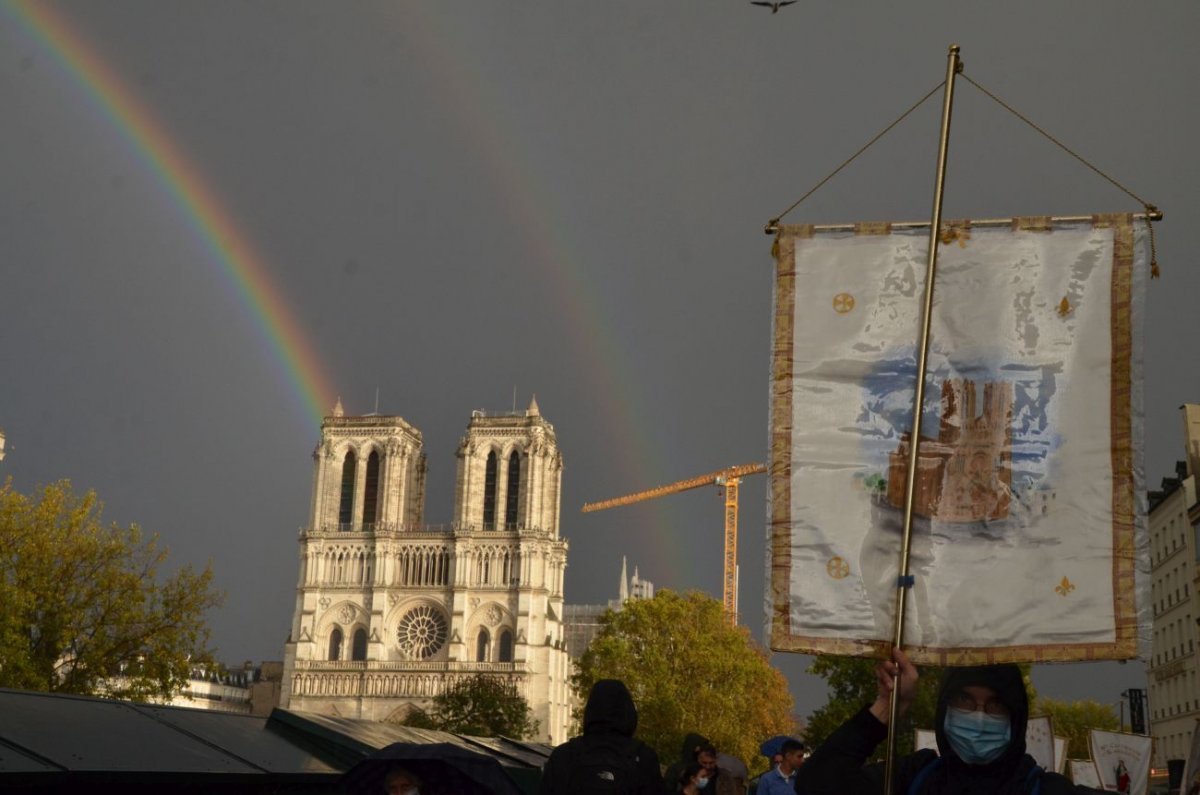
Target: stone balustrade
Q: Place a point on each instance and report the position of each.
(391, 679)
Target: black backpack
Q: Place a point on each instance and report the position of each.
(603, 764)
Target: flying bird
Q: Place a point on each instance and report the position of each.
(774, 6)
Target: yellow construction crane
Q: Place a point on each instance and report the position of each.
(728, 478)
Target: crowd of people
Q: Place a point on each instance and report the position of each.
(980, 723)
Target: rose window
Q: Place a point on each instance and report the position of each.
(422, 632)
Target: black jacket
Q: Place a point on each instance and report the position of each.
(837, 767)
(609, 714)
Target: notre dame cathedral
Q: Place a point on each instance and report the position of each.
(390, 611)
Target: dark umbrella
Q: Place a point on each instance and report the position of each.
(444, 769)
(774, 745)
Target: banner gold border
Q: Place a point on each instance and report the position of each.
(1125, 643)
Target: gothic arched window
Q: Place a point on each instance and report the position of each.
(346, 507)
(335, 644)
(358, 650)
(481, 646)
(489, 493)
(505, 654)
(513, 494)
(371, 495)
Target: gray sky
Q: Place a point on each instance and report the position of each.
(454, 200)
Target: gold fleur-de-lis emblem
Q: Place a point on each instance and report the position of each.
(1064, 587)
(843, 303)
(1064, 307)
(838, 568)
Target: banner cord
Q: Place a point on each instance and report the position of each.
(1151, 210)
(774, 222)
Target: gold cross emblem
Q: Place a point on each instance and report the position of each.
(843, 303)
(837, 568)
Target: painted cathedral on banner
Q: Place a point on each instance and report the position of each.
(390, 611)
(965, 474)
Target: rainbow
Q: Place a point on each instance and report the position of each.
(231, 250)
(533, 204)
(514, 172)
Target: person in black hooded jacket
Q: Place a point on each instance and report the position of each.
(606, 757)
(980, 727)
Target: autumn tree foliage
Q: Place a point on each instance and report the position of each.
(689, 671)
(86, 608)
(1073, 720)
(481, 706)
(851, 682)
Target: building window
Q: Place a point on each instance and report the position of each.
(489, 493)
(506, 647)
(481, 646)
(358, 651)
(422, 632)
(371, 496)
(335, 644)
(346, 508)
(512, 497)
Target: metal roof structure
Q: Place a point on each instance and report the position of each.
(53, 742)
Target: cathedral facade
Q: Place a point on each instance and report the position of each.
(391, 611)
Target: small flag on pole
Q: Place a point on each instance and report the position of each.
(1029, 520)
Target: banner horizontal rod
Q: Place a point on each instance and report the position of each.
(772, 229)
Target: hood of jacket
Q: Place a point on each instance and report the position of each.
(1009, 686)
(692, 743)
(610, 709)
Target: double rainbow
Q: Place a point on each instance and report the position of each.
(231, 250)
(515, 172)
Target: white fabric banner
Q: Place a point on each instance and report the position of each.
(1029, 539)
(1122, 760)
(1191, 769)
(1060, 755)
(926, 738)
(1083, 771)
(1039, 741)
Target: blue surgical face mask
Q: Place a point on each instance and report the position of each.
(977, 737)
(701, 782)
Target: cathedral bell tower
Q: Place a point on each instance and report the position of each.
(391, 611)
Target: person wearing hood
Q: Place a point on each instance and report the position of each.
(980, 728)
(606, 758)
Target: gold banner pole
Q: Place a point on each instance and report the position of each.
(953, 67)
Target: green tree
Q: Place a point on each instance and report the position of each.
(84, 609)
(851, 682)
(1073, 719)
(481, 706)
(688, 671)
